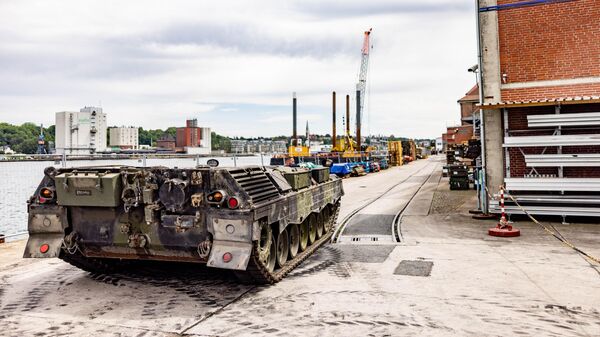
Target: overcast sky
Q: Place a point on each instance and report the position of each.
(233, 65)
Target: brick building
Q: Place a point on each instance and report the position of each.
(190, 135)
(166, 142)
(540, 73)
(193, 139)
(456, 135)
(468, 106)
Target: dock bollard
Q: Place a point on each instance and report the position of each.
(503, 228)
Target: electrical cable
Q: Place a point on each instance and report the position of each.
(555, 232)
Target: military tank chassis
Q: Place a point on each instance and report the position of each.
(264, 268)
(260, 222)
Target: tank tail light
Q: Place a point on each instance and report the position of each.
(233, 203)
(215, 197)
(46, 194)
(44, 248)
(227, 257)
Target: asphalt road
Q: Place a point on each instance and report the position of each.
(446, 277)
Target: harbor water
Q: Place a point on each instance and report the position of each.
(18, 181)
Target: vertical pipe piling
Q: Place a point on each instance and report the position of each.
(358, 140)
(295, 116)
(333, 133)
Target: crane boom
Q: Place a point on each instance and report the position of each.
(364, 66)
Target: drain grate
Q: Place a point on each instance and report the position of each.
(362, 238)
(414, 268)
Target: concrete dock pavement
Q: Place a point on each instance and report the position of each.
(446, 277)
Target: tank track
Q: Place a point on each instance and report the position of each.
(92, 265)
(257, 273)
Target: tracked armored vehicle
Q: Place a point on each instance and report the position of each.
(260, 222)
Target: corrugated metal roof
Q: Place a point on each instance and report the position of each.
(542, 102)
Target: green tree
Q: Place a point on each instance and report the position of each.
(220, 142)
(22, 139)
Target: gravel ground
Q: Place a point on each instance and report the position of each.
(446, 201)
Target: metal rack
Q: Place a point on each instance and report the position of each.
(562, 194)
(553, 184)
(554, 140)
(563, 160)
(574, 119)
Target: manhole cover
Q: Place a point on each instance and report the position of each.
(414, 268)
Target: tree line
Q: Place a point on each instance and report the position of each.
(23, 138)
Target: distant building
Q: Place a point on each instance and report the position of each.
(166, 142)
(279, 146)
(238, 146)
(125, 137)
(6, 150)
(82, 132)
(457, 135)
(258, 146)
(194, 139)
(439, 145)
(468, 106)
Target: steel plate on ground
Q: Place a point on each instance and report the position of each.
(354, 253)
(414, 268)
(365, 224)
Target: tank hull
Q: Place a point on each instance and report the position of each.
(229, 218)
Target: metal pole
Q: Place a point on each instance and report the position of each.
(295, 116)
(234, 161)
(347, 115)
(333, 134)
(484, 207)
(64, 159)
(358, 138)
(144, 160)
(261, 159)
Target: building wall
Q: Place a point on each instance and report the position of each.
(550, 42)
(205, 138)
(188, 136)
(82, 132)
(466, 112)
(459, 134)
(166, 144)
(535, 53)
(546, 92)
(125, 137)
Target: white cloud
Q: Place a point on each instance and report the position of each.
(234, 64)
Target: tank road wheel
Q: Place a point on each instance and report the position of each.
(294, 240)
(272, 258)
(326, 219)
(312, 228)
(283, 246)
(320, 225)
(304, 235)
(264, 243)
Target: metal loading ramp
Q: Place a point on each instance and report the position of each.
(554, 193)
